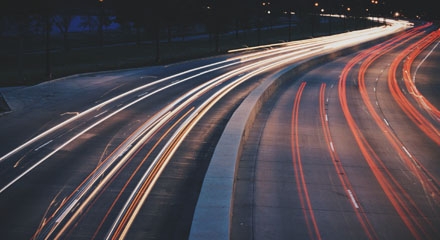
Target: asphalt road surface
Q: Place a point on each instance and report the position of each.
(338, 154)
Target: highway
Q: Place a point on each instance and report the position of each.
(123, 154)
(347, 151)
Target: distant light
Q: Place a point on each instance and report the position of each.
(268, 11)
(396, 14)
(322, 9)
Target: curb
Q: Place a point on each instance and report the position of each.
(4, 106)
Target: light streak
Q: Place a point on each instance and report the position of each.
(303, 192)
(430, 130)
(393, 190)
(410, 85)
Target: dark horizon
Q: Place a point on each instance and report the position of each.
(410, 9)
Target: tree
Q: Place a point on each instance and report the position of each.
(26, 12)
(148, 15)
(62, 22)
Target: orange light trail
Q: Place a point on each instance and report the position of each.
(413, 164)
(360, 213)
(424, 125)
(388, 183)
(368, 152)
(422, 174)
(303, 193)
(410, 86)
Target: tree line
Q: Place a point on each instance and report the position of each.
(217, 15)
(157, 16)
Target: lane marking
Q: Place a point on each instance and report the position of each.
(143, 94)
(423, 60)
(42, 146)
(406, 151)
(331, 145)
(100, 114)
(69, 113)
(352, 198)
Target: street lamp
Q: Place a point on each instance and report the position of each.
(290, 13)
(314, 16)
(374, 3)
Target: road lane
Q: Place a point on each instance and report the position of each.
(276, 206)
(396, 201)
